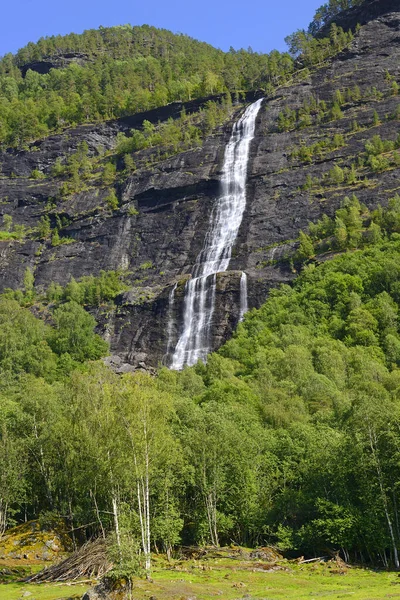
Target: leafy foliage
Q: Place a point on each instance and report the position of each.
(327, 12)
(288, 435)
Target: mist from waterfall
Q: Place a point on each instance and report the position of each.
(194, 342)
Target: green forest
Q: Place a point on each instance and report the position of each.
(289, 434)
(124, 70)
(119, 71)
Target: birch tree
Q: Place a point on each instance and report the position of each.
(146, 415)
(374, 419)
(12, 469)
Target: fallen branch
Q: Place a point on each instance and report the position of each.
(310, 560)
(89, 562)
(79, 582)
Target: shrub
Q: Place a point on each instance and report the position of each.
(36, 174)
(112, 200)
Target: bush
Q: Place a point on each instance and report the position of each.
(74, 334)
(36, 174)
(112, 200)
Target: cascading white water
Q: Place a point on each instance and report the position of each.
(171, 322)
(226, 218)
(244, 305)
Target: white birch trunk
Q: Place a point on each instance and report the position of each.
(3, 516)
(147, 503)
(116, 519)
(373, 445)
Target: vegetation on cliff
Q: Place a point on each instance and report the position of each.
(328, 11)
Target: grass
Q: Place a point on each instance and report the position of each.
(234, 579)
(16, 591)
(13, 570)
(296, 582)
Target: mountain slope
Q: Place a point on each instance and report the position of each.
(156, 227)
(112, 72)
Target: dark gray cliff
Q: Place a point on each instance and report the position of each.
(164, 211)
(362, 14)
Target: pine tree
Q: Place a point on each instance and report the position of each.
(340, 234)
(375, 119)
(112, 200)
(7, 222)
(29, 283)
(109, 174)
(336, 175)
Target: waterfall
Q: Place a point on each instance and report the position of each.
(244, 306)
(171, 322)
(226, 218)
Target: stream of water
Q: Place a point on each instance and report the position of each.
(199, 303)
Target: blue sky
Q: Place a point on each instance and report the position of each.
(261, 24)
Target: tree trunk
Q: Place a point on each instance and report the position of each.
(3, 516)
(147, 505)
(43, 470)
(116, 519)
(144, 516)
(211, 507)
(71, 518)
(103, 533)
(373, 445)
(143, 495)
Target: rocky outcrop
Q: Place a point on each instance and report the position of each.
(31, 541)
(55, 62)
(164, 211)
(362, 14)
(110, 589)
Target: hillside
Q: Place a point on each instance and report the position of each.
(112, 72)
(288, 435)
(148, 217)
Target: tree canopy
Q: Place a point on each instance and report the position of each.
(117, 71)
(287, 436)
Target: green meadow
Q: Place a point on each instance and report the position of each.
(234, 580)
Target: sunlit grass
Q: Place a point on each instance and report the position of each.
(16, 591)
(236, 579)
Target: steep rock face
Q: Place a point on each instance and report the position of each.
(173, 201)
(362, 14)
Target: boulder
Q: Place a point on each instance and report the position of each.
(31, 541)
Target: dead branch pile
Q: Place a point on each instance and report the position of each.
(89, 562)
